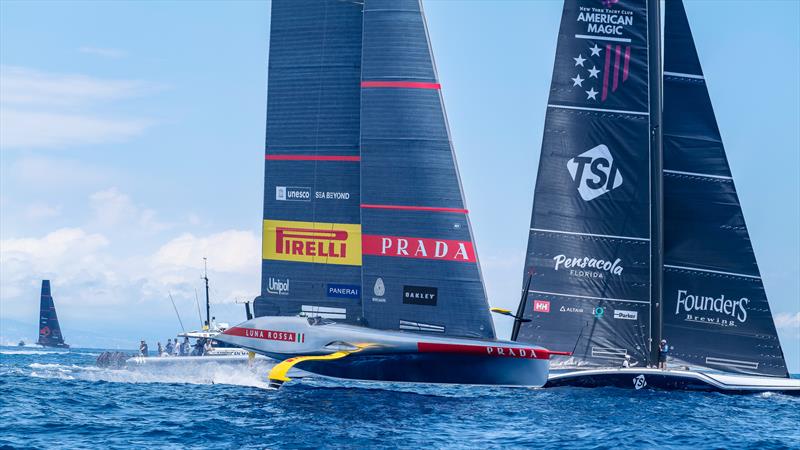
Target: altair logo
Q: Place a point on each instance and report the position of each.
(594, 172)
(278, 287)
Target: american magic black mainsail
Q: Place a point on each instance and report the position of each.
(636, 232)
(369, 265)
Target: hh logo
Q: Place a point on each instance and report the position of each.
(425, 248)
(639, 382)
(594, 172)
(312, 242)
(542, 306)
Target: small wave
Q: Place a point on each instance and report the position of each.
(32, 352)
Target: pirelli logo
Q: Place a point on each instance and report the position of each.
(312, 242)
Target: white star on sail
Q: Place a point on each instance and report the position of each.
(593, 72)
(591, 94)
(579, 60)
(595, 50)
(577, 80)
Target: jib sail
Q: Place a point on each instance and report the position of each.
(716, 312)
(589, 244)
(311, 231)
(420, 265)
(49, 329)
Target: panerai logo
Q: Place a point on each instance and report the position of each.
(278, 287)
(594, 172)
(696, 305)
(588, 267)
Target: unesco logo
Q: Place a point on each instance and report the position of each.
(594, 172)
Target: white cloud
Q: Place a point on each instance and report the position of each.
(104, 52)
(36, 129)
(229, 251)
(37, 211)
(40, 109)
(112, 208)
(788, 322)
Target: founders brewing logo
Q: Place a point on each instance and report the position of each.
(594, 172)
(312, 242)
(420, 295)
(588, 267)
(601, 69)
(716, 310)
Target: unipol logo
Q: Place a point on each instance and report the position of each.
(594, 172)
(639, 382)
(277, 286)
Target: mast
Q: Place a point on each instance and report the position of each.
(656, 180)
(208, 302)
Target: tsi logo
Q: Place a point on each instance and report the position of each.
(278, 287)
(594, 172)
(639, 382)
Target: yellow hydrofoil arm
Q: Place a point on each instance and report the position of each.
(278, 374)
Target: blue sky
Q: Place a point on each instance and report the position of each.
(131, 145)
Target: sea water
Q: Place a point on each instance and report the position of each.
(59, 399)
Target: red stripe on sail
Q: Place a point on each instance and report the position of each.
(605, 72)
(416, 208)
(311, 158)
(400, 84)
(627, 60)
(616, 69)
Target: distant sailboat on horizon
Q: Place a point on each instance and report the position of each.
(49, 328)
(636, 232)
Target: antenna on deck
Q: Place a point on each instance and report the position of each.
(207, 325)
(197, 301)
(176, 312)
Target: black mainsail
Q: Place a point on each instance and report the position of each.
(364, 216)
(49, 328)
(716, 312)
(589, 244)
(646, 245)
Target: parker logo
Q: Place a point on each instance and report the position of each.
(596, 268)
(542, 306)
(424, 248)
(594, 172)
(420, 295)
(626, 315)
(716, 310)
(278, 287)
(312, 242)
(293, 194)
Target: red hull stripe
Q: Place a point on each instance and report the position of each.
(498, 351)
(312, 158)
(416, 208)
(400, 84)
